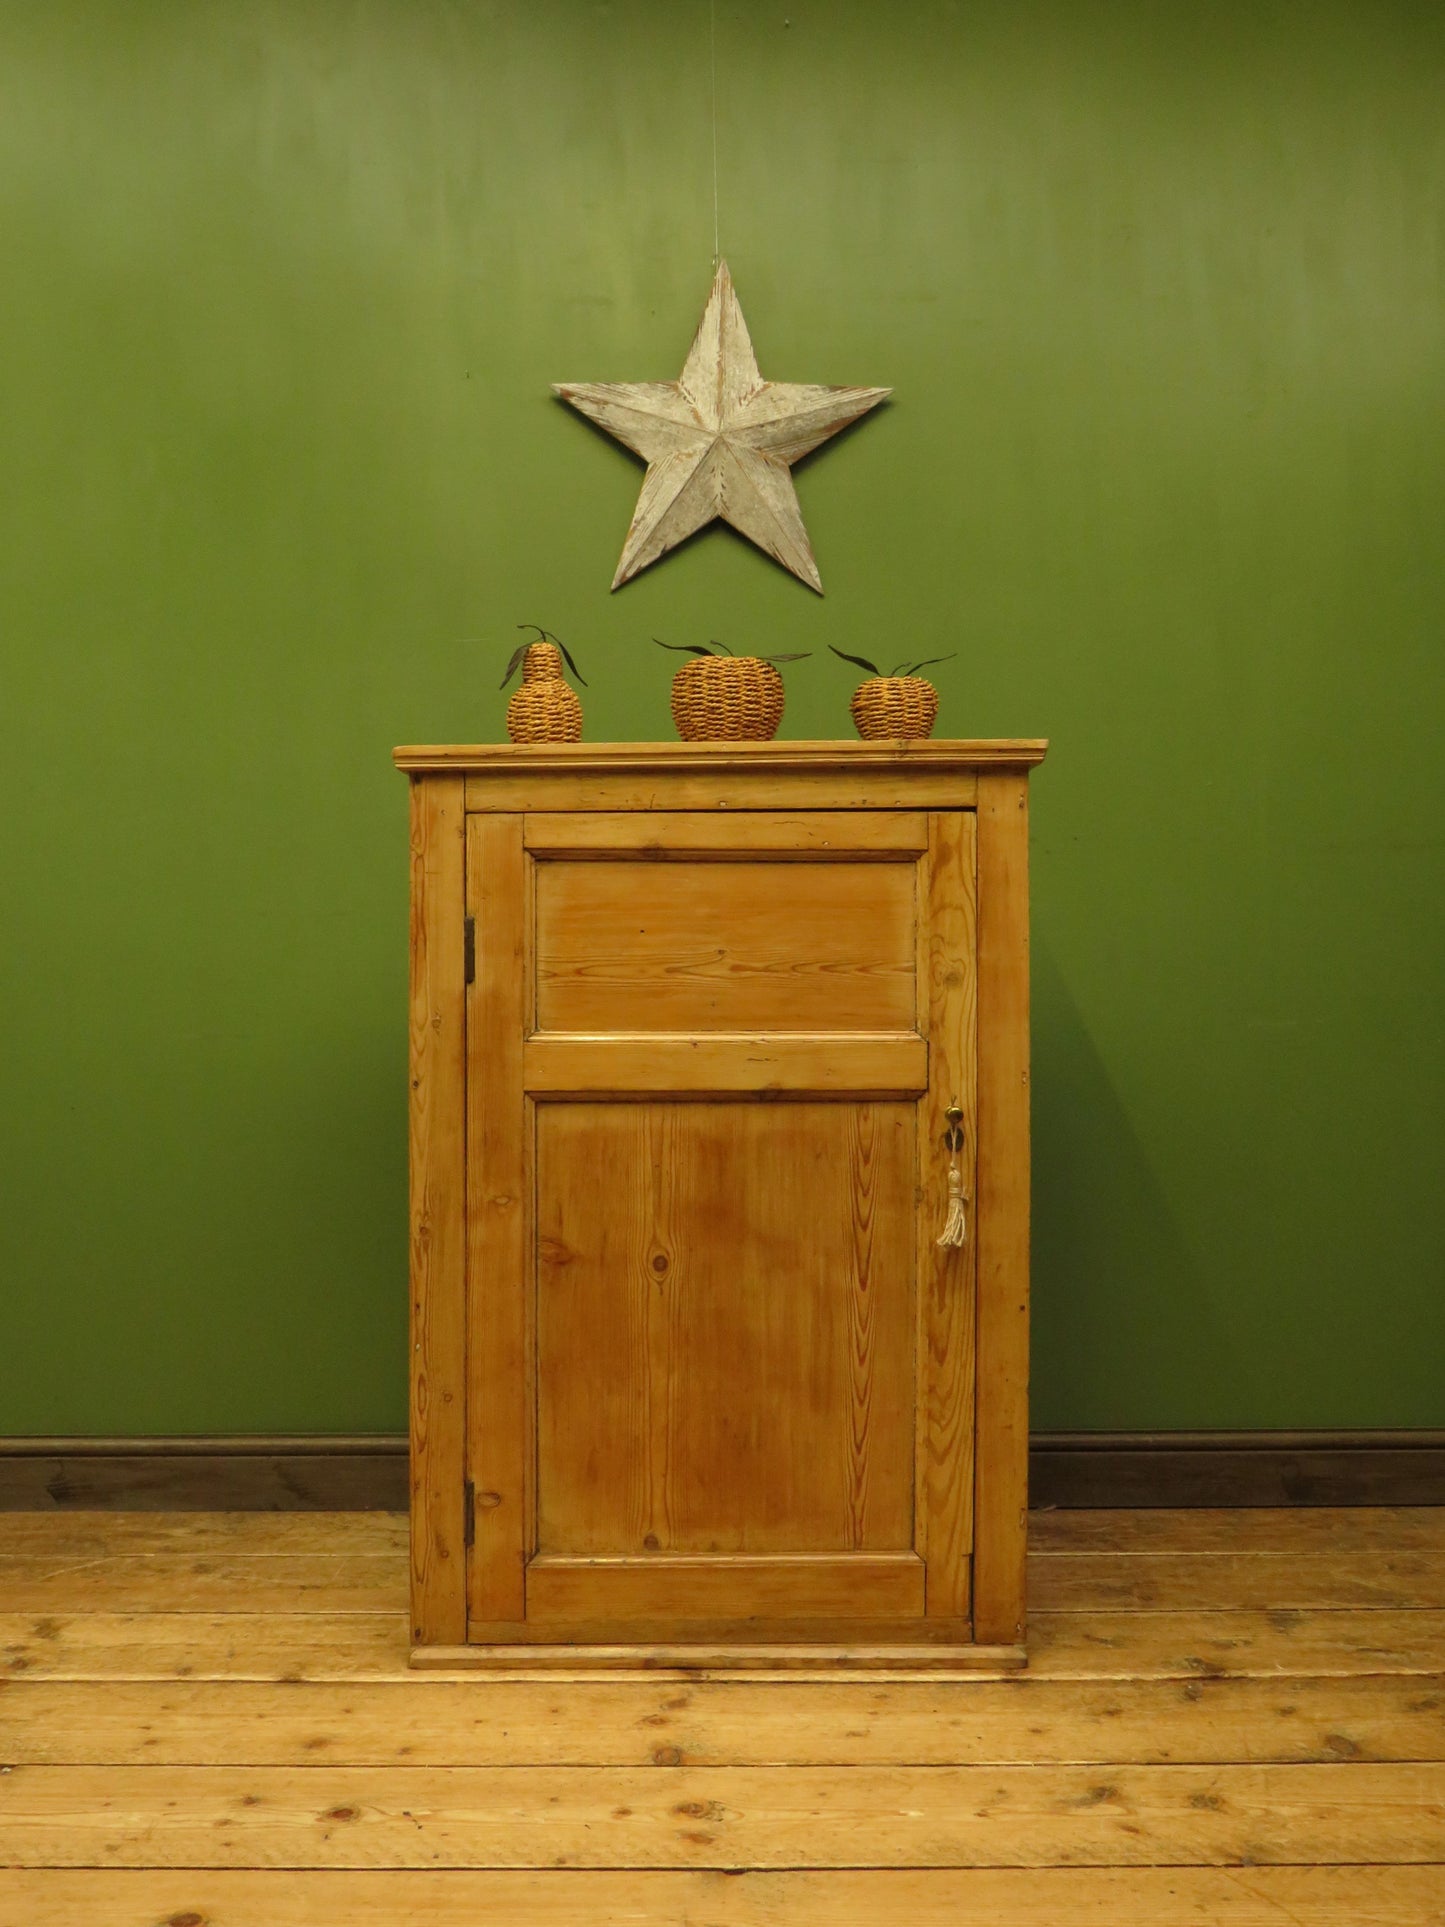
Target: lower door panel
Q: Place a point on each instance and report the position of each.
(725, 1326)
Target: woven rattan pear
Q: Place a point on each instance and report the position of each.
(722, 698)
(543, 709)
(901, 705)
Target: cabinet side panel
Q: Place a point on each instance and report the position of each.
(498, 1217)
(437, 1159)
(1001, 1498)
(948, 983)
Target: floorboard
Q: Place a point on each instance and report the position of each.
(1077, 1897)
(1229, 1717)
(1175, 1644)
(423, 1721)
(722, 1817)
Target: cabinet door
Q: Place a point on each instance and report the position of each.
(720, 1375)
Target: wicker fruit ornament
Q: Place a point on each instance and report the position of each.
(900, 704)
(723, 698)
(543, 709)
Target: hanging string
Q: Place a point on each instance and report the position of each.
(955, 1223)
(955, 1226)
(712, 50)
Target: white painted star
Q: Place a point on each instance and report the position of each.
(719, 442)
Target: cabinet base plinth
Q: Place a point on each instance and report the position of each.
(739, 1658)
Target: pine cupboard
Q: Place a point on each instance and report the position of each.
(696, 1031)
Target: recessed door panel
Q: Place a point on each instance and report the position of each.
(629, 944)
(725, 1327)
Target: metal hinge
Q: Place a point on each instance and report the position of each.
(469, 1514)
(469, 948)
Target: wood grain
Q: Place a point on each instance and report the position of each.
(1083, 1582)
(437, 1209)
(498, 1223)
(1325, 1470)
(223, 1579)
(956, 758)
(1155, 1767)
(217, 1581)
(949, 1816)
(945, 1400)
(663, 835)
(782, 1649)
(756, 1064)
(688, 1401)
(1317, 1529)
(740, 946)
(1144, 1582)
(1343, 1643)
(924, 1897)
(642, 1721)
(801, 789)
(769, 1269)
(182, 1536)
(661, 1587)
(1002, 1209)
(688, 776)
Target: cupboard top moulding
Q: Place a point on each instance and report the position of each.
(697, 1032)
(642, 776)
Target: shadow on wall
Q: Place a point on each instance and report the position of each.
(1110, 1261)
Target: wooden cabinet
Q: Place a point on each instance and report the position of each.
(692, 1378)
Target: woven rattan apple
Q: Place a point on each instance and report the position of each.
(901, 704)
(722, 698)
(543, 709)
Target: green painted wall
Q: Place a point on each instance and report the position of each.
(1160, 292)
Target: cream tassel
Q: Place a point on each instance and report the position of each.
(954, 1230)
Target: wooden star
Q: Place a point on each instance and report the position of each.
(719, 442)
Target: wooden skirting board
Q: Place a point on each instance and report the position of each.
(327, 1473)
(247, 1473)
(1236, 1468)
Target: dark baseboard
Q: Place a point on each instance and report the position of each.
(1236, 1468)
(324, 1473)
(338, 1474)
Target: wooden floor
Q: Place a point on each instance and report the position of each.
(1233, 1717)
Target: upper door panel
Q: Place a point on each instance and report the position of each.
(698, 923)
(750, 945)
